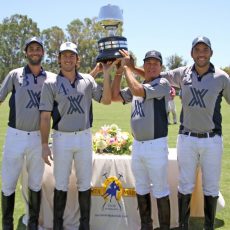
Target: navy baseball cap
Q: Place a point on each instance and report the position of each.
(201, 39)
(68, 46)
(153, 54)
(33, 39)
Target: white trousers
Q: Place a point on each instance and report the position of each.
(20, 145)
(69, 147)
(204, 152)
(150, 167)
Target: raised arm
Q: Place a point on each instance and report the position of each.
(96, 70)
(135, 87)
(107, 92)
(129, 59)
(116, 84)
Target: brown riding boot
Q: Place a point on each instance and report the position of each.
(210, 203)
(84, 199)
(60, 198)
(163, 205)
(8, 211)
(144, 205)
(184, 210)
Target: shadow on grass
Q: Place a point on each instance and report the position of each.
(196, 223)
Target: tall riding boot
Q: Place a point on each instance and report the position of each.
(144, 205)
(8, 212)
(163, 206)
(84, 199)
(34, 209)
(60, 198)
(184, 210)
(210, 203)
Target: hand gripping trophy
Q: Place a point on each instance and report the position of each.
(110, 17)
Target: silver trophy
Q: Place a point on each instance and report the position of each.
(110, 17)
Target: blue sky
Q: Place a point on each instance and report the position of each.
(166, 25)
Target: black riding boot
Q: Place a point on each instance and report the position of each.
(144, 205)
(184, 210)
(34, 209)
(60, 198)
(163, 206)
(210, 203)
(84, 199)
(8, 212)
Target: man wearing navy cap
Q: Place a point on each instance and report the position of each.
(199, 141)
(23, 135)
(149, 125)
(200, 135)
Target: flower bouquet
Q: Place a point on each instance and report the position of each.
(110, 139)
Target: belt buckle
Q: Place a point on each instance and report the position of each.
(198, 135)
(202, 135)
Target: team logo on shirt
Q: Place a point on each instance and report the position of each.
(198, 97)
(75, 104)
(63, 90)
(138, 109)
(24, 81)
(34, 99)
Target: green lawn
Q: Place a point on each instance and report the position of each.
(119, 114)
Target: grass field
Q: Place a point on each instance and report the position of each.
(119, 114)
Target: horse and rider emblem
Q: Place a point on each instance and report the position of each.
(112, 190)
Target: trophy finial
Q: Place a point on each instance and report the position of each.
(110, 17)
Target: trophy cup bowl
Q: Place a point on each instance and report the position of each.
(110, 17)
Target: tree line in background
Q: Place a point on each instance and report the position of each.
(15, 30)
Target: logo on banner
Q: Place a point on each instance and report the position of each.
(112, 192)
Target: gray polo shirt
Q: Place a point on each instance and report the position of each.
(70, 104)
(201, 97)
(25, 91)
(149, 114)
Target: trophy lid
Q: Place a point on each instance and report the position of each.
(110, 15)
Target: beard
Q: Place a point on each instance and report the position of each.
(34, 62)
(202, 64)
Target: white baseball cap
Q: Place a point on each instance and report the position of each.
(68, 46)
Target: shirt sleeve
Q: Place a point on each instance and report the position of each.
(226, 88)
(175, 76)
(6, 87)
(126, 95)
(157, 89)
(47, 97)
(97, 90)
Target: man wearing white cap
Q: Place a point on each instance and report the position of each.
(23, 135)
(68, 100)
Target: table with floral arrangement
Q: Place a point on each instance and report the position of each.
(114, 204)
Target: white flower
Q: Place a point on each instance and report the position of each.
(111, 139)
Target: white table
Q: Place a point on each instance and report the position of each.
(119, 213)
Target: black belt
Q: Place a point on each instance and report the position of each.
(199, 135)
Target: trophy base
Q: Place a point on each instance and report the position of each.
(109, 48)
